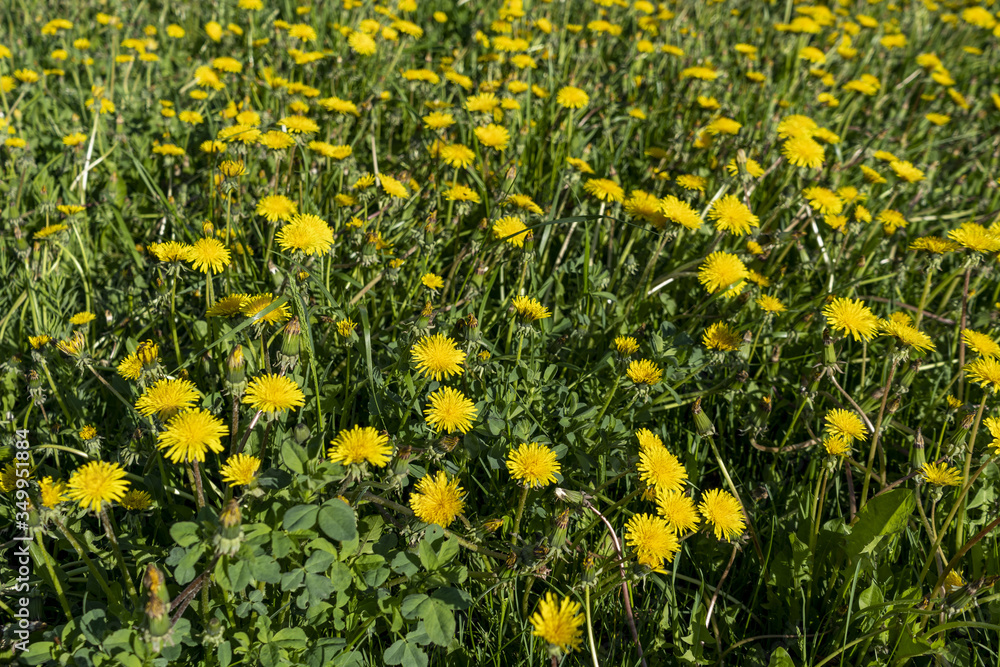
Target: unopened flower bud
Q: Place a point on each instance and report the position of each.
(229, 537)
(701, 421)
(288, 356)
(236, 376)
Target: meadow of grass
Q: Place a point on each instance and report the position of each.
(595, 332)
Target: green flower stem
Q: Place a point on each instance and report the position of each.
(607, 402)
(74, 541)
(194, 473)
(817, 509)
(590, 627)
(960, 526)
(517, 515)
(875, 436)
(49, 567)
(55, 392)
(923, 298)
(961, 340)
(624, 580)
(951, 515)
(129, 585)
(964, 549)
(173, 320)
(732, 489)
(121, 398)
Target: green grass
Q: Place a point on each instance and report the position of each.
(842, 560)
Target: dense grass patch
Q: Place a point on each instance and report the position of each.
(583, 332)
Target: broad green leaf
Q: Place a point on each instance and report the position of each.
(406, 654)
(439, 621)
(294, 456)
(185, 533)
(780, 658)
(300, 517)
(883, 515)
(319, 561)
(337, 520)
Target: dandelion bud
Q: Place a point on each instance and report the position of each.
(955, 443)
(829, 352)
(158, 603)
(301, 433)
(207, 228)
(918, 457)
(559, 535)
(236, 376)
(228, 538)
(213, 633)
(571, 497)
(288, 357)
(701, 421)
(148, 353)
(746, 346)
(35, 387)
(894, 405)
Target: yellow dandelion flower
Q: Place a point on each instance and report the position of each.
(438, 357)
(512, 230)
(980, 343)
(941, 474)
(558, 623)
(166, 398)
(533, 465)
(720, 336)
(851, 316)
(437, 499)
(189, 434)
(845, 424)
(984, 371)
(308, 234)
(53, 492)
(626, 345)
(644, 371)
(678, 510)
(804, 152)
(136, 500)
(732, 215)
(273, 393)
(660, 469)
(450, 410)
(240, 469)
(652, 539)
(493, 136)
(208, 255)
(529, 308)
(95, 483)
(361, 444)
(723, 511)
(572, 97)
(720, 270)
(604, 189)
